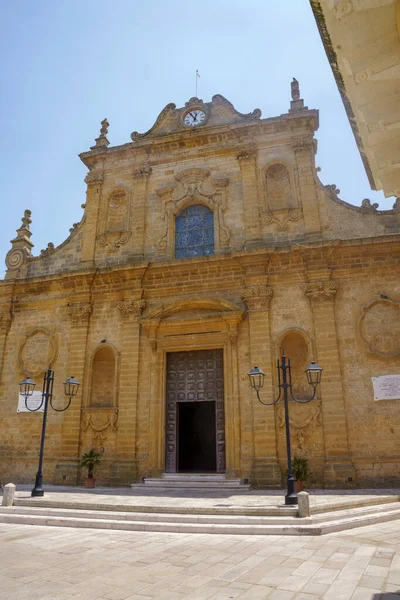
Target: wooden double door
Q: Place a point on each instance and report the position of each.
(195, 419)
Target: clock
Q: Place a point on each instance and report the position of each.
(194, 117)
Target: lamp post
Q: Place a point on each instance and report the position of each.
(27, 386)
(256, 377)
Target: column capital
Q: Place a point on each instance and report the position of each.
(131, 309)
(304, 144)
(79, 312)
(257, 297)
(142, 174)
(94, 178)
(247, 156)
(320, 291)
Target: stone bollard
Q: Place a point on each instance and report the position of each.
(304, 504)
(8, 494)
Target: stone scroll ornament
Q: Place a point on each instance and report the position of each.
(21, 245)
(379, 327)
(282, 221)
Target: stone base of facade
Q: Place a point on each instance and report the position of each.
(339, 475)
(66, 472)
(266, 475)
(123, 472)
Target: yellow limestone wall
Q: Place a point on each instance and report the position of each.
(292, 262)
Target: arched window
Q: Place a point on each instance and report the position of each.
(194, 232)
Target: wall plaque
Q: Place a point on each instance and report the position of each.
(386, 387)
(33, 402)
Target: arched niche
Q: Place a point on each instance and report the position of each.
(279, 186)
(104, 378)
(117, 211)
(295, 346)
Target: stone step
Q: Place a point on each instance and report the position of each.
(204, 482)
(196, 523)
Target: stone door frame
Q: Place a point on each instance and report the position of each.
(210, 332)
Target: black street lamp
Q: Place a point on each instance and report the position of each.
(256, 376)
(27, 386)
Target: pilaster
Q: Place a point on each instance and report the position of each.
(93, 194)
(321, 292)
(67, 467)
(140, 185)
(304, 149)
(257, 296)
(248, 166)
(125, 466)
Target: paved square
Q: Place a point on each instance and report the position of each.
(47, 563)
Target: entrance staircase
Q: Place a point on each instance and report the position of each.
(213, 481)
(220, 517)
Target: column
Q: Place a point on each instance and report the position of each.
(93, 194)
(266, 471)
(125, 466)
(138, 217)
(248, 166)
(304, 149)
(67, 468)
(339, 469)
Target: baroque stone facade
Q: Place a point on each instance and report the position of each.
(203, 250)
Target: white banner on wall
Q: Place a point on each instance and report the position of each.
(33, 402)
(386, 387)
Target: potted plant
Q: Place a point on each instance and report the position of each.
(300, 471)
(89, 460)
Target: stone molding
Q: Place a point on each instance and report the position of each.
(319, 291)
(131, 308)
(257, 297)
(79, 312)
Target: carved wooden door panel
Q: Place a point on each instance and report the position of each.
(194, 377)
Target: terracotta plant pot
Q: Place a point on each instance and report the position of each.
(90, 483)
(299, 486)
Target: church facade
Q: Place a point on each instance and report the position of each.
(207, 245)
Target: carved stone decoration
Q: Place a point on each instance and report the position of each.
(305, 144)
(332, 189)
(131, 308)
(37, 351)
(80, 312)
(100, 422)
(296, 103)
(367, 207)
(343, 8)
(318, 291)
(48, 250)
(21, 245)
(142, 173)
(94, 178)
(257, 297)
(190, 187)
(379, 327)
(248, 154)
(281, 221)
(304, 420)
(113, 241)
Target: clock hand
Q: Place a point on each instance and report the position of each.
(193, 116)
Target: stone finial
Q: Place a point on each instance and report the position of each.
(21, 245)
(102, 141)
(296, 103)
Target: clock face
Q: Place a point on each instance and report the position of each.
(194, 118)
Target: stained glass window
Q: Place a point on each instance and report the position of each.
(194, 232)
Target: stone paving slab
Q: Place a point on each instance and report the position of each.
(72, 564)
(142, 496)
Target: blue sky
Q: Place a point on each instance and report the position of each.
(67, 64)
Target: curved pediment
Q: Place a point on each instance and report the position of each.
(186, 305)
(217, 112)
